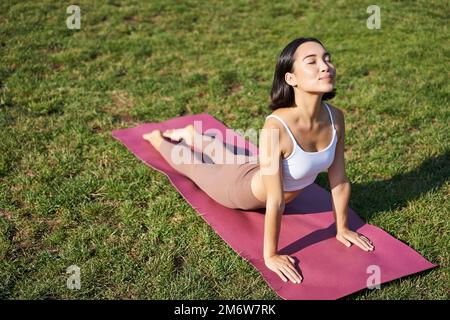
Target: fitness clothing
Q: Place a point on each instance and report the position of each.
(301, 168)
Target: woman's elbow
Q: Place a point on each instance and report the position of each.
(276, 203)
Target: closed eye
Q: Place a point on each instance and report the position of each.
(327, 60)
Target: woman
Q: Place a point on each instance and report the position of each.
(301, 138)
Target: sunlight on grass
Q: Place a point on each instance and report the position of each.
(71, 194)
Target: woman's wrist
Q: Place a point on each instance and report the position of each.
(268, 255)
(342, 229)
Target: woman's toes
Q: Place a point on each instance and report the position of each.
(172, 134)
(167, 133)
(146, 136)
(151, 134)
(154, 137)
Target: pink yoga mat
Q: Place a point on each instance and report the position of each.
(330, 270)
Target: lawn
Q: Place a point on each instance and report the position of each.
(70, 194)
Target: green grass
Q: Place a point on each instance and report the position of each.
(71, 194)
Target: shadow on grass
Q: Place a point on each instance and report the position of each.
(376, 197)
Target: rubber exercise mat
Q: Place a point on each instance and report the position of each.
(329, 269)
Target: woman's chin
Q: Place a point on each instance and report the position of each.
(323, 90)
(327, 88)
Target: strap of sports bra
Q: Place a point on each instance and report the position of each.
(331, 116)
(285, 125)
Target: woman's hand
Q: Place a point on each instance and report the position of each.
(283, 265)
(347, 237)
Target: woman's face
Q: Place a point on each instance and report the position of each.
(313, 70)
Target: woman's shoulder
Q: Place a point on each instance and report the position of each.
(282, 113)
(273, 122)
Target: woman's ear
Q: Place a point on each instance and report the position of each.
(288, 77)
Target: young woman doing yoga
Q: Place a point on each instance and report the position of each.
(302, 137)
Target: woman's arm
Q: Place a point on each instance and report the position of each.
(341, 190)
(271, 173)
(272, 222)
(270, 168)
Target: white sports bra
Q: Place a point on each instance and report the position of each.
(301, 168)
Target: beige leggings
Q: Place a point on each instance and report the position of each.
(226, 183)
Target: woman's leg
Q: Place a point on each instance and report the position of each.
(210, 177)
(227, 184)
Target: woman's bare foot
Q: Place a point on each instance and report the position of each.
(154, 137)
(187, 134)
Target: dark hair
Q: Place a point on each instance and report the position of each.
(282, 94)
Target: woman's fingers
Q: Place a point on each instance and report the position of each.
(292, 266)
(357, 239)
(362, 244)
(344, 241)
(281, 275)
(284, 267)
(298, 276)
(288, 273)
(369, 243)
(366, 242)
(291, 273)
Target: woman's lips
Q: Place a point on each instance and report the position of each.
(326, 76)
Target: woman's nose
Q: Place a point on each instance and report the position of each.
(324, 67)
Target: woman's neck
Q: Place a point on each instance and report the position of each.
(308, 108)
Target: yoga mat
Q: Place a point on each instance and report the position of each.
(329, 269)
